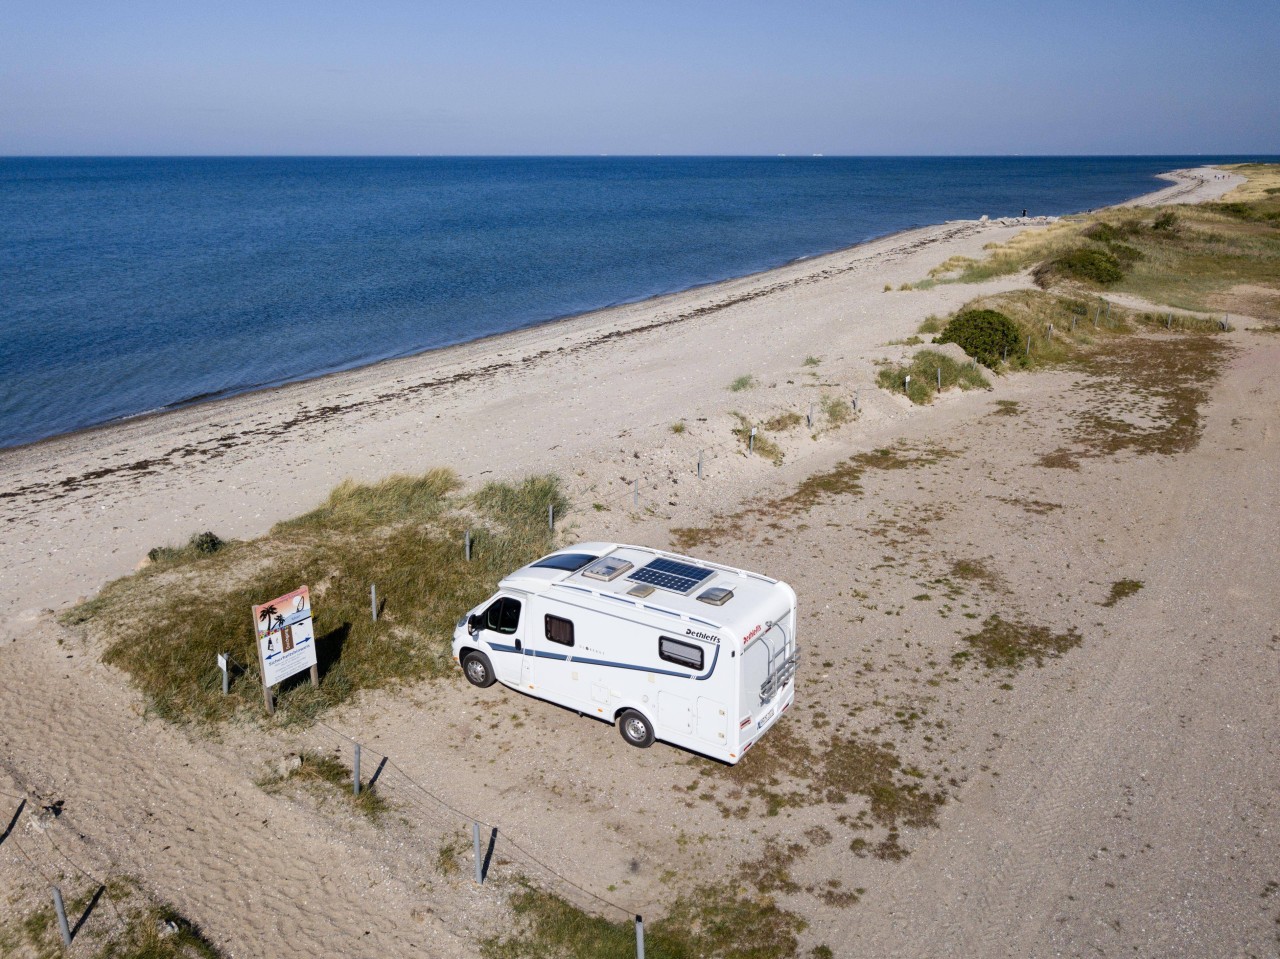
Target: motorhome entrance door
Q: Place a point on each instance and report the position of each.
(503, 628)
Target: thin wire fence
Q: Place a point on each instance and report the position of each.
(449, 816)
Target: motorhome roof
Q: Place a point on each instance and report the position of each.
(675, 583)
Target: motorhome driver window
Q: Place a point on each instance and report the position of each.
(503, 615)
(680, 653)
(559, 630)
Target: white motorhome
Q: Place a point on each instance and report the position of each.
(699, 655)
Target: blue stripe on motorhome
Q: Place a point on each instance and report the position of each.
(539, 654)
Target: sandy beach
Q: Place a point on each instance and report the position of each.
(1119, 800)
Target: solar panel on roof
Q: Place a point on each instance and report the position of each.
(672, 575)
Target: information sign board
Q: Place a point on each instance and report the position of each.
(286, 638)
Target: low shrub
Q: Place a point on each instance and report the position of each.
(200, 544)
(983, 334)
(1099, 267)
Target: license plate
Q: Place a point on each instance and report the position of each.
(764, 720)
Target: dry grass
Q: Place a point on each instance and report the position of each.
(146, 929)
(1262, 185)
(760, 444)
(166, 624)
(783, 422)
(837, 411)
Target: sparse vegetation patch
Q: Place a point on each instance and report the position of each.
(1002, 644)
(1120, 589)
(844, 480)
(330, 779)
(712, 920)
(145, 929)
(923, 371)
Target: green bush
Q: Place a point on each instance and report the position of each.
(1165, 222)
(1084, 265)
(983, 334)
(1125, 254)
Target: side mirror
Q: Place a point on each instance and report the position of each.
(473, 623)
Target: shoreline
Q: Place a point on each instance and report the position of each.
(211, 400)
(591, 397)
(1179, 187)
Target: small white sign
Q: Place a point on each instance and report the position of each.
(222, 662)
(286, 637)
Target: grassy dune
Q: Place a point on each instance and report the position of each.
(1214, 257)
(166, 624)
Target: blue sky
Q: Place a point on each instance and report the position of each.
(695, 77)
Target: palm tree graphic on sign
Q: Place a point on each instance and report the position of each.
(267, 614)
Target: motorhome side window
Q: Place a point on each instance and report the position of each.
(559, 630)
(680, 653)
(503, 615)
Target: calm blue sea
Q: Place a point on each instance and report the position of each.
(130, 285)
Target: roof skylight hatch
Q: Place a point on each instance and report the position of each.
(607, 569)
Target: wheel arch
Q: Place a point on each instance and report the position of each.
(630, 707)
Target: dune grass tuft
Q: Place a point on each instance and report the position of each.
(923, 370)
(762, 445)
(332, 780)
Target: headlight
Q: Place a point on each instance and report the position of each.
(462, 622)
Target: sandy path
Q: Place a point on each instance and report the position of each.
(263, 875)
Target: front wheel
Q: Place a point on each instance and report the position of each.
(635, 729)
(475, 666)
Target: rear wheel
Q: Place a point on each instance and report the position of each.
(475, 666)
(635, 729)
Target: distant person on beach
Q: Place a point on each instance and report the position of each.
(1024, 213)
